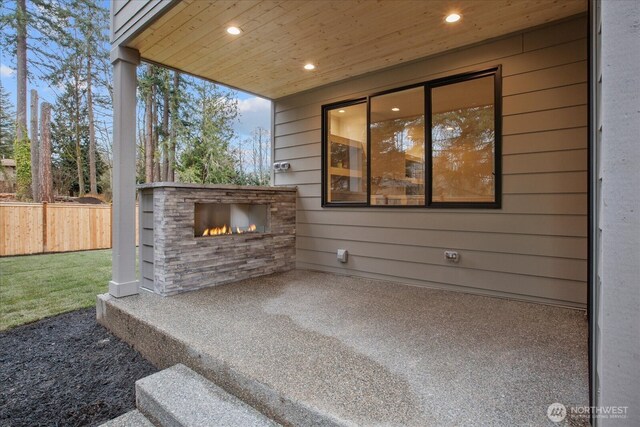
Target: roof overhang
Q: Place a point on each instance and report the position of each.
(342, 38)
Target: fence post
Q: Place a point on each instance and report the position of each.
(44, 227)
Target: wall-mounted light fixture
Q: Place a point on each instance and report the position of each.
(281, 166)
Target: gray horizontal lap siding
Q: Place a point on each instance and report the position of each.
(534, 248)
(129, 17)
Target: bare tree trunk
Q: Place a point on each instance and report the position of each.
(260, 160)
(172, 139)
(21, 63)
(79, 162)
(46, 180)
(154, 120)
(164, 172)
(148, 139)
(254, 151)
(35, 148)
(241, 158)
(266, 147)
(93, 184)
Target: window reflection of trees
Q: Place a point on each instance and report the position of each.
(463, 154)
(397, 156)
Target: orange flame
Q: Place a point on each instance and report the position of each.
(217, 231)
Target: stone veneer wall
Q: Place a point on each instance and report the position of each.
(172, 260)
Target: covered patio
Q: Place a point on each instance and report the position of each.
(318, 346)
(311, 348)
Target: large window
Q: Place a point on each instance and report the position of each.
(436, 144)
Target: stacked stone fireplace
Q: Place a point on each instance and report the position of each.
(195, 236)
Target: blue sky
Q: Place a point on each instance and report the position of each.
(254, 111)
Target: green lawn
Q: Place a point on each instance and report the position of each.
(37, 286)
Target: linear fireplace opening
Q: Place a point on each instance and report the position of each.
(222, 219)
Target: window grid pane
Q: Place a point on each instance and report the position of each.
(397, 148)
(346, 161)
(463, 142)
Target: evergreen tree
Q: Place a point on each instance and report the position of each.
(70, 143)
(176, 123)
(22, 156)
(168, 119)
(45, 178)
(66, 131)
(7, 124)
(89, 41)
(208, 157)
(28, 30)
(92, 22)
(147, 84)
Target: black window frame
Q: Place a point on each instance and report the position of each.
(325, 146)
(496, 72)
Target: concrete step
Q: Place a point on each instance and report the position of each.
(130, 419)
(162, 347)
(179, 397)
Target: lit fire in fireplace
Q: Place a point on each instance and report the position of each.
(219, 231)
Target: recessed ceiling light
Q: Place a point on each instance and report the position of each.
(309, 66)
(395, 109)
(234, 31)
(340, 111)
(452, 17)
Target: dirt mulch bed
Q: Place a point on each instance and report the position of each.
(66, 371)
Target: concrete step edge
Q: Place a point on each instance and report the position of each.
(179, 397)
(132, 418)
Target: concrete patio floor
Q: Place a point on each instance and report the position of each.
(310, 348)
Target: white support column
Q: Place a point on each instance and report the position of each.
(124, 280)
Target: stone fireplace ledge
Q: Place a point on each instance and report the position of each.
(175, 255)
(154, 185)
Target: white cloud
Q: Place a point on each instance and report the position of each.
(6, 71)
(254, 112)
(253, 104)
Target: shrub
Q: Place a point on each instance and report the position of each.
(22, 155)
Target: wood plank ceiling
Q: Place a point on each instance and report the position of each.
(342, 38)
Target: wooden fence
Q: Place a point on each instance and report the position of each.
(29, 228)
